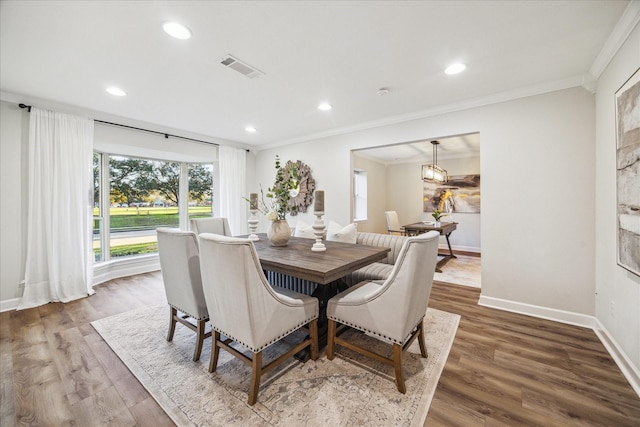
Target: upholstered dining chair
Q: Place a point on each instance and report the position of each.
(180, 266)
(392, 310)
(215, 225)
(245, 308)
(393, 225)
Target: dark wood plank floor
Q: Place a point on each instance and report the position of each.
(504, 369)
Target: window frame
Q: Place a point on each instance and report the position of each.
(104, 217)
(360, 179)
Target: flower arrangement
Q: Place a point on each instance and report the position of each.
(286, 186)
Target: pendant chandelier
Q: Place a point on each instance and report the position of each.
(433, 172)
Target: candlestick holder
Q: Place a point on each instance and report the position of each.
(253, 224)
(318, 230)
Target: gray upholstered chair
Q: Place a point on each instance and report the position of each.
(180, 265)
(391, 310)
(215, 225)
(393, 224)
(245, 308)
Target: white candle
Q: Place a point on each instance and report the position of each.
(253, 201)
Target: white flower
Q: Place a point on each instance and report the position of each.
(272, 216)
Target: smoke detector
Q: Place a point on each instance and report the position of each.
(241, 67)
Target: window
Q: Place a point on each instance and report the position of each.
(133, 196)
(97, 211)
(359, 195)
(200, 179)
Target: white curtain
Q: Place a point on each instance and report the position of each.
(59, 262)
(233, 188)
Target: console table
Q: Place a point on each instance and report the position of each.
(445, 229)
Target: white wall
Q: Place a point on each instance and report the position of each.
(14, 125)
(618, 291)
(137, 143)
(529, 255)
(537, 161)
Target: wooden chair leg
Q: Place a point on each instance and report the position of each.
(423, 346)
(313, 333)
(331, 335)
(397, 364)
(215, 351)
(199, 340)
(172, 322)
(256, 372)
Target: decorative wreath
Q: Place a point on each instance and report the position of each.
(307, 185)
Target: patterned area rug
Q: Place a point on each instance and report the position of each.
(463, 270)
(350, 390)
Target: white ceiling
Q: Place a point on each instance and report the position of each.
(341, 52)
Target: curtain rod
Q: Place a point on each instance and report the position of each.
(166, 135)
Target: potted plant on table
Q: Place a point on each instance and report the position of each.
(278, 202)
(437, 215)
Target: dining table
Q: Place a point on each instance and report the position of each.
(326, 269)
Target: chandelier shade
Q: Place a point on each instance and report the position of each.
(433, 172)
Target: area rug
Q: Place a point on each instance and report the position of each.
(349, 390)
(462, 270)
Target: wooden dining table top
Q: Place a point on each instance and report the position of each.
(297, 260)
(444, 228)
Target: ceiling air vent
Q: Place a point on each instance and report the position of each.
(241, 67)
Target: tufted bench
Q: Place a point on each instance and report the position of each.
(378, 270)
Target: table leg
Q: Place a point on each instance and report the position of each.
(324, 293)
(446, 258)
(449, 244)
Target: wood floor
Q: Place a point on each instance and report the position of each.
(504, 369)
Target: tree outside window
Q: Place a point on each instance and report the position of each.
(145, 194)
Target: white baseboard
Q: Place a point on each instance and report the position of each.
(562, 316)
(125, 267)
(629, 370)
(461, 248)
(9, 304)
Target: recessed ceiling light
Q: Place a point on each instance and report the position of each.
(456, 68)
(250, 129)
(325, 106)
(116, 91)
(176, 30)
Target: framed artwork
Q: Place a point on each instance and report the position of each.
(628, 173)
(461, 194)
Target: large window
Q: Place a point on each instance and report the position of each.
(134, 196)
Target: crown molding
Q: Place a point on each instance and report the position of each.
(589, 82)
(523, 92)
(627, 22)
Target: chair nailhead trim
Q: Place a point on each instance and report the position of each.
(255, 350)
(190, 315)
(360, 328)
